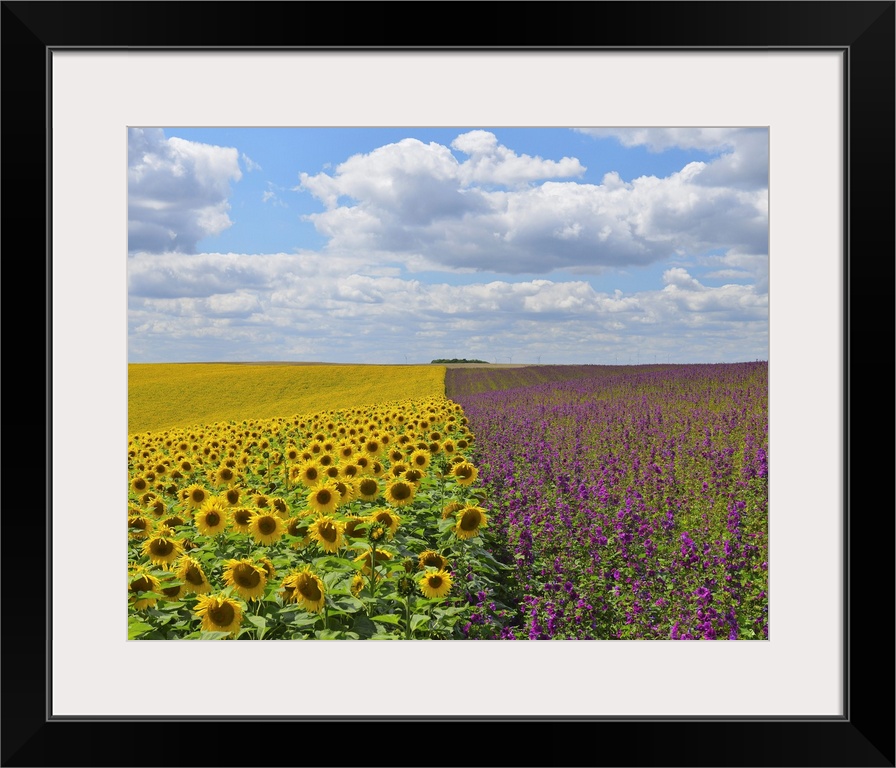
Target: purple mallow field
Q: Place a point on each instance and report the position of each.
(630, 501)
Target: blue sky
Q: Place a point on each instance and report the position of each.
(393, 245)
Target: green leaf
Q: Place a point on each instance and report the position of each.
(328, 634)
(259, 621)
(137, 628)
(418, 620)
(363, 625)
(386, 618)
(213, 635)
(348, 604)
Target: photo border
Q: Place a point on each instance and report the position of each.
(864, 31)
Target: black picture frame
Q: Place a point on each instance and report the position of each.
(864, 736)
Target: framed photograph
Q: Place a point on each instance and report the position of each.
(818, 76)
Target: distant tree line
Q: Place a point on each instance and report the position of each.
(458, 360)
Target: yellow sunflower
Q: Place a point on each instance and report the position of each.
(155, 505)
(435, 583)
(211, 519)
(349, 471)
(382, 556)
(139, 526)
(232, 496)
(469, 521)
(304, 587)
(465, 473)
(139, 484)
(281, 506)
(398, 468)
(399, 493)
(420, 459)
(327, 532)
(357, 584)
(346, 490)
(323, 499)
(414, 476)
(355, 528)
(219, 613)
(175, 593)
(387, 518)
(266, 527)
(432, 559)
(162, 548)
(190, 572)
(372, 447)
(269, 569)
(241, 518)
(195, 495)
(246, 577)
(224, 476)
(141, 580)
(367, 488)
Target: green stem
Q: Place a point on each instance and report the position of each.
(372, 575)
(407, 613)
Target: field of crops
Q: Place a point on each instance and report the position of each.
(590, 502)
(632, 501)
(161, 396)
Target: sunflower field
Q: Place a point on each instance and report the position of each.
(164, 395)
(360, 523)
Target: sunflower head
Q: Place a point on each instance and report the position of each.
(162, 548)
(349, 470)
(465, 473)
(232, 496)
(219, 613)
(266, 526)
(432, 559)
(195, 495)
(269, 569)
(388, 519)
(139, 484)
(304, 587)
(367, 488)
(451, 508)
(323, 499)
(398, 468)
(139, 526)
(355, 528)
(140, 579)
(363, 559)
(414, 476)
(327, 532)
(469, 521)
(241, 518)
(420, 459)
(190, 572)
(211, 519)
(399, 493)
(435, 584)
(224, 476)
(247, 577)
(280, 505)
(357, 584)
